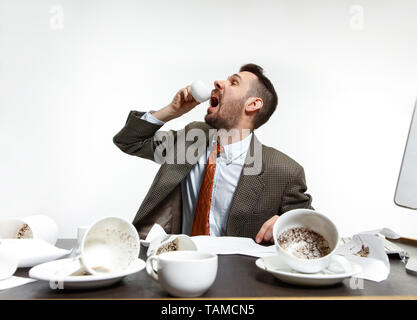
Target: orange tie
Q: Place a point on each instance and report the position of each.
(201, 224)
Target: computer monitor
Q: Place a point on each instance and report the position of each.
(406, 191)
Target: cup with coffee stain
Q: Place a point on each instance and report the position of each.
(108, 246)
(306, 240)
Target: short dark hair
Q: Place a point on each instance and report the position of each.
(264, 90)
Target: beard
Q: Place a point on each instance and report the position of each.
(227, 116)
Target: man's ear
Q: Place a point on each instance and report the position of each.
(254, 104)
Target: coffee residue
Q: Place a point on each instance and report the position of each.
(363, 252)
(169, 246)
(304, 243)
(24, 232)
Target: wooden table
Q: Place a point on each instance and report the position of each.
(237, 277)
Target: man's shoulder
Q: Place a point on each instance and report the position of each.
(277, 161)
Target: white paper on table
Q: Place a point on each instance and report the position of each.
(31, 252)
(376, 265)
(14, 282)
(232, 245)
(386, 232)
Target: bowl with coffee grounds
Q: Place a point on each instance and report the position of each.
(305, 240)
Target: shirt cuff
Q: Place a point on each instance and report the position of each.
(150, 118)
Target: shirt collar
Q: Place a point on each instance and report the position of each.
(234, 152)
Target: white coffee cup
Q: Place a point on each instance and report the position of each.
(31, 227)
(316, 222)
(200, 91)
(183, 273)
(109, 245)
(182, 241)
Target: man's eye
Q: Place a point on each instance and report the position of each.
(234, 83)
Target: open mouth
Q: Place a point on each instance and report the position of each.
(214, 102)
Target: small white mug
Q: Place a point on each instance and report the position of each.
(183, 273)
(180, 241)
(200, 91)
(31, 227)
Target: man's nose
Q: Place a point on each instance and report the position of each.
(219, 84)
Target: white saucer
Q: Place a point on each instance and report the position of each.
(46, 272)
(281, 271)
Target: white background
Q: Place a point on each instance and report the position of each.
(70, 71)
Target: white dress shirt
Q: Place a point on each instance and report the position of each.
(229, 166)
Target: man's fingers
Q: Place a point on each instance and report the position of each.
(261, 233)
(268, 235)
(189, 95)
(265, 233)
(184, 94)
(268, 232)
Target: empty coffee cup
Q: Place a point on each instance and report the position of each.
(301, 230)
(110, 245)
(200, 91)
(177, 242)
(31, 227)
(183, 273)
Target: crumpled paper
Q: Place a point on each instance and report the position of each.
(369, 250)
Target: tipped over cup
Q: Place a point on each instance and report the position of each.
(109, 245)
(306, 240)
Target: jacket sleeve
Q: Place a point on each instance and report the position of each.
(295, 196)
(139, 137)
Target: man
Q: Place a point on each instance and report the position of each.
(236, 186)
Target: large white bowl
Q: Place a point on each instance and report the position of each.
(309, 219)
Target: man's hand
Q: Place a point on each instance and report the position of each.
(182, 103)
(265, 233)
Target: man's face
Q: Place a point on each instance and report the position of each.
(228, 100)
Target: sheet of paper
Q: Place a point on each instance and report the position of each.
(13, 282)
(31, 252)
(232, 245)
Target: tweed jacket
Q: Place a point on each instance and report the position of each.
(276, 186)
